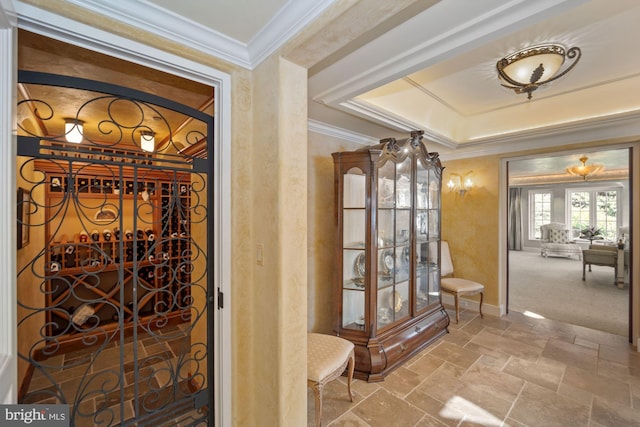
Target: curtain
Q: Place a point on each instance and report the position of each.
(515, 219)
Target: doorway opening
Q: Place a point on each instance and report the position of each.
(115, 266)
(549, 282)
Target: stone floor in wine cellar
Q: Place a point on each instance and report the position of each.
(154, 374)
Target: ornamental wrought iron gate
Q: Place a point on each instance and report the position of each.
(115, 253)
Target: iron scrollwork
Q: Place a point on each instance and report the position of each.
(114, 297)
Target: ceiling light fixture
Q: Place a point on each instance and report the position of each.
(73, 130)
(526, 70)
(584, 170)
(147, 141)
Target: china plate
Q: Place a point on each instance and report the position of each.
(387, 262)
(359, 267)
(395, 301)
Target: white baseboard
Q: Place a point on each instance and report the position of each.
(473, 305)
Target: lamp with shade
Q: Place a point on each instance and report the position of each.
(147, 141)
(73, 130)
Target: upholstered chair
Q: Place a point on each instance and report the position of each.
(603, 255)
(556, 239)
(455, 285)
(327, 358)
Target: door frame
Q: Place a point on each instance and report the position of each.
(64, 29)
(634, 206)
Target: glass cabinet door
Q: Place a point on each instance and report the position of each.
(427, 236)
(354, 266)
(394, 215)
(434, 235)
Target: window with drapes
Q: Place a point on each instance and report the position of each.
(539, 211)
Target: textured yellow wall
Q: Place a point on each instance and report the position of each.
(322, 233)
(470, 223)
(279, 307)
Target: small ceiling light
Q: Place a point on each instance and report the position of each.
(584, 170)
(147, 141)
(526, 70)
(73, 130)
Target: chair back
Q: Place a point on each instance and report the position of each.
(604, 248)
(446, 265)
(544, 229)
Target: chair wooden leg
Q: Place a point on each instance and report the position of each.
(352, 364)
(457, 303)
(481, 298)
(317, 392)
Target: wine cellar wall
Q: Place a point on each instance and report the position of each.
(86, 266)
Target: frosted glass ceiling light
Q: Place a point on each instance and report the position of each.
(526, 70)
(147, 141)
(73, 131)
(584, 170)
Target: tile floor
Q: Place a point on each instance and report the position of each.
(100, 384)
(511, 371)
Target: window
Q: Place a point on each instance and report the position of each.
(593, 207)
(539, 211)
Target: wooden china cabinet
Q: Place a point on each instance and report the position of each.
(388, 256)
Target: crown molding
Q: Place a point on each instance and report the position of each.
(290, 19)
(394, 121)
(340, 133)
(166, 24)
(531, 180)
(62, 28)
(623, 125)
(8, 15)
(286, 23)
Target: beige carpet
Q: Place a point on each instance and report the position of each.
(553, 288)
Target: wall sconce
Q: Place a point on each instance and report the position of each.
(148, 141)
(73, 130)
(460, 183)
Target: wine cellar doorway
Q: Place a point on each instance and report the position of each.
(115, 272)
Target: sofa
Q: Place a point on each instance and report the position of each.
(556, 239)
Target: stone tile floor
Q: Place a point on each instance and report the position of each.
(512, 371)
(97, 378)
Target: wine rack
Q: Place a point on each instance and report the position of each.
(100, 277)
